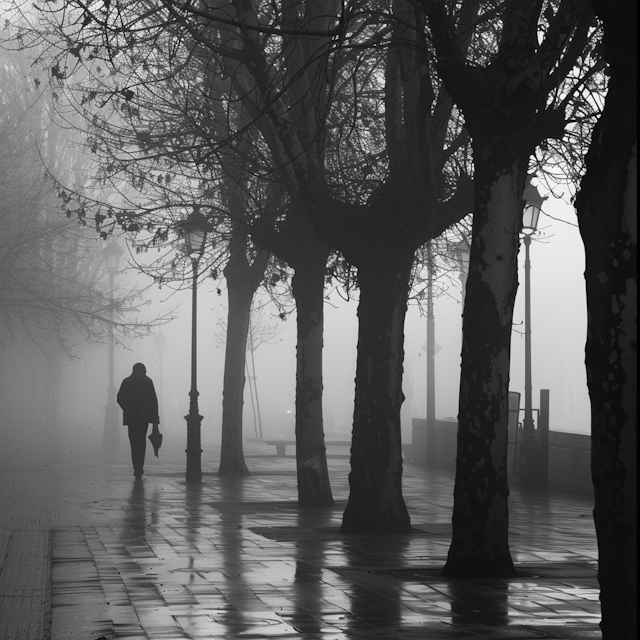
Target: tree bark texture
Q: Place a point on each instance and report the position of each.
(375, 501)
(314, 489)
(479, 544)
(507, 113)
(606, 207)
(242, 281)
(292, 127)
(296, 244)
(232, 461)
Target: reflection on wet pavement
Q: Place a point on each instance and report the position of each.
(235, 558)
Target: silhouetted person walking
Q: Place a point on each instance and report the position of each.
(139, 403)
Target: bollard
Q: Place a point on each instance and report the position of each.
(543, 427)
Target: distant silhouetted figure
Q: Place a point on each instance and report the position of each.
(139, 403)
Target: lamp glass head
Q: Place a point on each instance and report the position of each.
(194, 230)
(195, 240)
(112, 253)
(532, 207)
(530, 217)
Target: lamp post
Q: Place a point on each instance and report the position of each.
(431, 365)
(529, 456)
(111, 432)
(194, 230)
(160, 340)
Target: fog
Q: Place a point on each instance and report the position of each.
(30, 385)
(558, 332)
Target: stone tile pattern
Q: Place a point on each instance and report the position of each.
(25, 558)
(237, 559)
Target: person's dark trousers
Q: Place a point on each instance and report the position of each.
(138, 440)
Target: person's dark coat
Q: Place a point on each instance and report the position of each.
(137, 398)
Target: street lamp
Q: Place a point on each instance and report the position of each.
(111, 433)
(194, 230)
(431, 365)
(532, 201)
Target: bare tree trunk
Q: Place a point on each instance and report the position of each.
(375, 500)
(314, 489)
(606, 207)
(479, 544)
(297, 244)
(508, 111)
(243, 280)
(232, 461)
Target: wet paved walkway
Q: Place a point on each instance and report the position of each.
(158, 559)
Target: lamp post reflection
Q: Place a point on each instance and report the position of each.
(111, 432)
(194, 230)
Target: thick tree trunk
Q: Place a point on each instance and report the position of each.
(479, 544)
(239, 315)
(503, 101)
(606, 207)
(314, 489)
(242, 282)
(306, 254)
(375, 502)
(611, 359)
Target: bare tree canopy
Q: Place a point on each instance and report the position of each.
(53, 285)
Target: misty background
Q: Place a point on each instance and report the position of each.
(68, 409)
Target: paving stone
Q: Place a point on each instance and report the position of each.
(236, 558)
